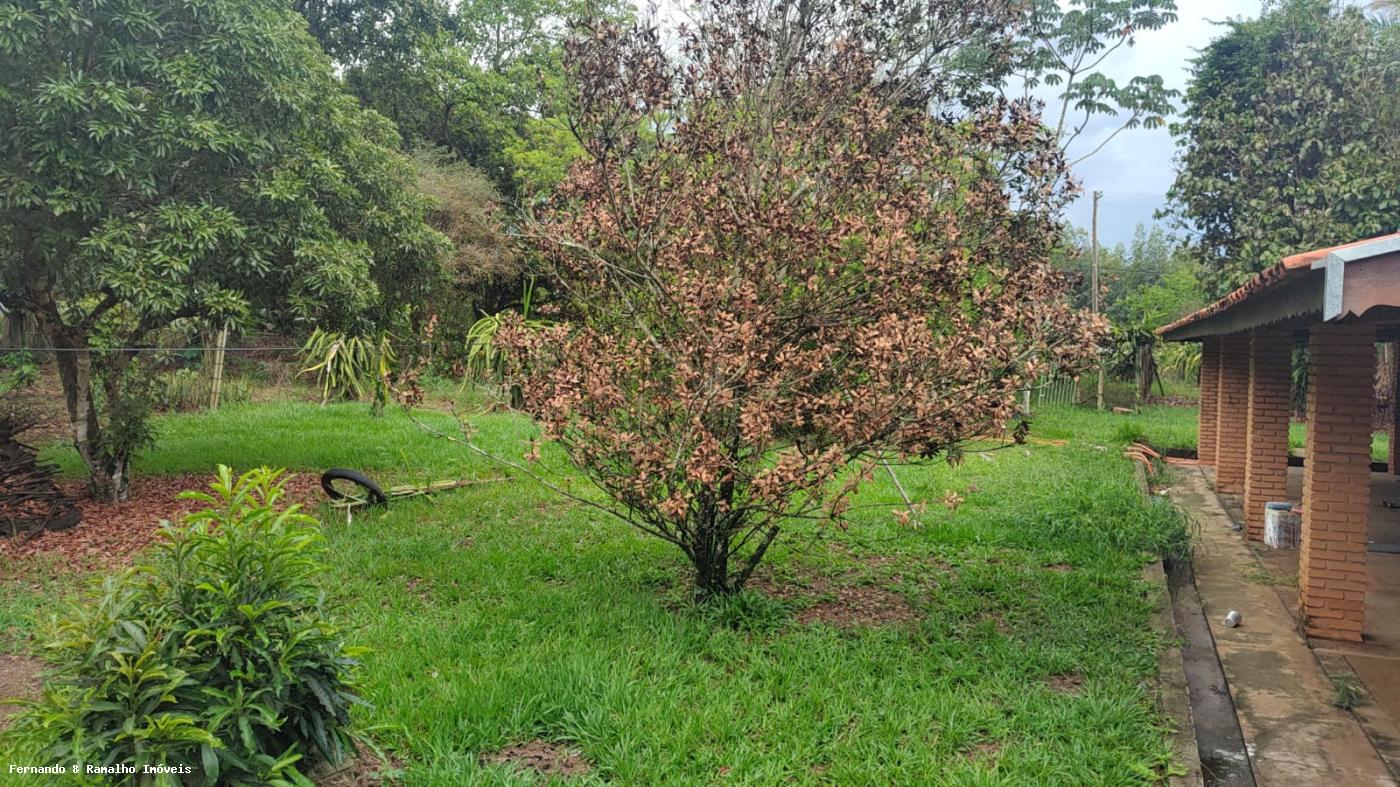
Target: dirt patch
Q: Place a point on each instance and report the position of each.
(1069, 683)
(1173, 400)
(859, 605)
(541, 756)
(419, 587)
(998, 622)
(365, 770)
(109, 536)
(848, 599)
(984, 752)
(897, 566)
(882, 561)
(19, 680)
(1059, 568)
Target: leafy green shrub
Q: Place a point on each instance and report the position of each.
(485, 362)
(216, 655)
(186, 389)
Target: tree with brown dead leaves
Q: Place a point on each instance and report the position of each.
(791, 253)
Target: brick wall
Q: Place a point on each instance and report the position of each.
(1337, 488)
(1210, 381)
(1266, 441)
(1232, 411)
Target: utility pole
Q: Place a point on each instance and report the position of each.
(1094, 280)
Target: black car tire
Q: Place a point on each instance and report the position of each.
(372, 491)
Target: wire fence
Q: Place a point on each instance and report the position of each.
(1050, 391)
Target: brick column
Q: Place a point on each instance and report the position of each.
(1210, 382)
(1232, 413)
(1393, 462)
(1266, 442)
(1337, 480)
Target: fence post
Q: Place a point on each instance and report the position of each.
(220, 342)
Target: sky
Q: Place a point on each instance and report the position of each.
(1135, 170)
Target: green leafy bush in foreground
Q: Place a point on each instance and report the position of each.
(215, 655)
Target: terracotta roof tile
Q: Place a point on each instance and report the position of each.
(1268, 278)
(1307, 258)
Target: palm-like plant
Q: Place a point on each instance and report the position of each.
(353, 367)
(485, 363)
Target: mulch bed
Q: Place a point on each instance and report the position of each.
(109, 536)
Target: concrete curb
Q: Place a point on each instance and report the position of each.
(1173, 697)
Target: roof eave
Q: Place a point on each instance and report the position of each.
(1334, 266)
(1196, 326)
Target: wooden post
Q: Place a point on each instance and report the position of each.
(1094, 280)
(1146, 369)
(14, 329)
(217, 383)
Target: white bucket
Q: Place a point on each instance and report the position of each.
(1281, 525)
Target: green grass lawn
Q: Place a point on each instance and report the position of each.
(1380, 441)
(1167, 428)
(1019, 649)
(1170, 428)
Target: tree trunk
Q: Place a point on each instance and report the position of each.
(113, 484)
(1146, 364)
(108, 477)
(709, 551)
(711, 575)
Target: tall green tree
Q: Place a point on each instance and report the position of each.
(1126, 270)
(356, 31)
(484, 269)
(1289, 139)
(170, 159)
(1065, 47)
(478, 79)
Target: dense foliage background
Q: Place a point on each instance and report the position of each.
(1289, 139)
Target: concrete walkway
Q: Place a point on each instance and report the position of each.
(1293, 734)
